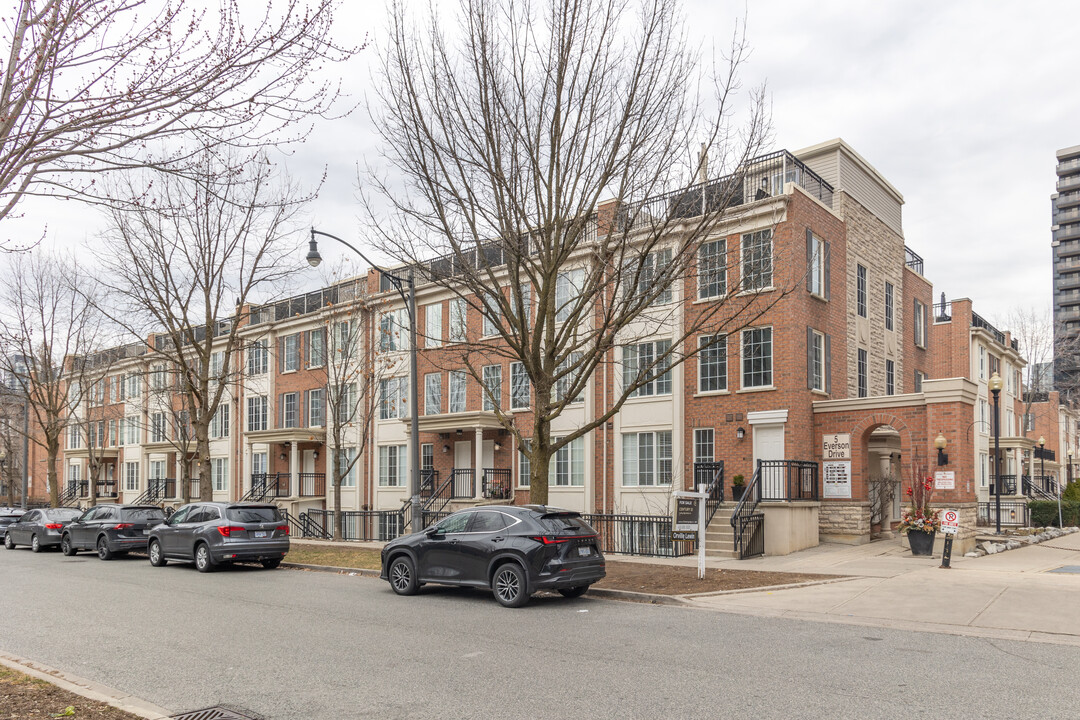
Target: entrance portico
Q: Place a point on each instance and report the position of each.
(467, 445)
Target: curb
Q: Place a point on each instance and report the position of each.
(771, 588)
(86, 688)
(363, 572)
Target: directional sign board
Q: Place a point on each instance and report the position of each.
(950, 522)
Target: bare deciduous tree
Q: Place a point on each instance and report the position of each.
(509, 141)
(183, 266)
(1046, 350)
(48, 319)
(90, 85)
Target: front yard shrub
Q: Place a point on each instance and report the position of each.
(1044, 513)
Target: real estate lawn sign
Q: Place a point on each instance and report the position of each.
(688, 522)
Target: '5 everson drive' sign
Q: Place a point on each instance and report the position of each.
(836, 446)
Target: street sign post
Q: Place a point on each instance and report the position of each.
(950, 526)
(688, 521)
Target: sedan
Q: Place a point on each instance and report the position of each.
(111, 530)
(511, 550)
(213, 533)
(39, 528)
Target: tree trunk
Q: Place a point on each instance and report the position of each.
(339, 521)
(539, 460)
(51, 476)
(202, 452)
(95, 471)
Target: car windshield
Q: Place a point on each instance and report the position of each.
(253, 514)
(64, 513)
(565, 521)
(8, 519)
(144, 514)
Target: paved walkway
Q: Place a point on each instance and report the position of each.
(1013, 595)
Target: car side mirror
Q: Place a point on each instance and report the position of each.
(432, 531)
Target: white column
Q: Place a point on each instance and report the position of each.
(294, 469)
(478, 463)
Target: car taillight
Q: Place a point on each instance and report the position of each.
(555, 539)
(123, 526)
(54, 526)
(283, 528)
(228, 530)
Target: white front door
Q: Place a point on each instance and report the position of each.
(769, 445)
(463, 455)
(309, 461)
(489, 453)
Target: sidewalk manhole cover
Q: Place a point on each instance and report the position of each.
(213, 713)
(1073, 569)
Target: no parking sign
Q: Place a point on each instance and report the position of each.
(950, 522)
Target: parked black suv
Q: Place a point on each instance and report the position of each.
(212, 533)
(512, 550)
(111, 530)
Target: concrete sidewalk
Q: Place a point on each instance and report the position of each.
(1012, 595)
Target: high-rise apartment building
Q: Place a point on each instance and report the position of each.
(1066, 244)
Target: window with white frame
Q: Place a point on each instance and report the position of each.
(74, 439)
(73, 475)
(646, 458)
(219, 423)
(519, 386)
(113, 438)
(526, 303)
(890, 377)
(712, 363)
(815, 279)
(458, 320)
(393, 398)
(217, 365)
(757, 357)
(817, 360)
(156, 470)
(490, 318)
(346, 402)
(433, 325)
(458, 385)
(259, 463)
(316, 347)
(158, 377)
(346, 458)
(134, 385)
(117, 382)
(862, 371)
(651, 277)
(290, 353)
(757, 259)
(131, 476)
(704, 445)
(982, 362)
(888, 306)
(860, 290)
(920, 324)
(919, 377)
(524, 466)
(984, 461)
(219, 473)
(158, 431)
(563, 385)
(492, 375)
(131, 426)
(392, 465)
(316, 407)
(256, 413)
(290, 410)
(569, 285)
(427, 456)
(433, 393)
(1029, 422)
(712, 269)
(392, 331)
(344, 339)
(984, 414)
(258, 357)
(567, 466)
(638, 363)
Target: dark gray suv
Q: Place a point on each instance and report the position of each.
(213, 533)
(111, 530)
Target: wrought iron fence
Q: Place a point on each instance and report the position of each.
(1015, 514)
(497, 483)
(359, 525)
(648, 535)
(788, 480)
(463, 483)
(312, 484)
(746, 523)
(913, 260)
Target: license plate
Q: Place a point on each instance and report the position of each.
(260, 533)
(583, 551)
(146, 531)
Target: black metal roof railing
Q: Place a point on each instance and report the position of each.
(913, 260)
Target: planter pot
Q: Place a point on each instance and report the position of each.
(922, 543)
(737, 492)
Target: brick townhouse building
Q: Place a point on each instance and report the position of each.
(858, 349)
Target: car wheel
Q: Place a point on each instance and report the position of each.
(8, 542)
(203, 563)
(103, 550)
(270, 564)
(402, 576)
(573, 592)
(157, 559)
(35, 544)
(66, 547)
(509, 586)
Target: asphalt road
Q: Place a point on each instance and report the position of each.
(291, 644)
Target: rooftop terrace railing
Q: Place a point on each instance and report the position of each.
(913, 260)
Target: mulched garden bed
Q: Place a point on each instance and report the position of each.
(22, 697)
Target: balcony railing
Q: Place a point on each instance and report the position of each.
(1006, 483)
(106, 490)
(1070, 182)
(788, 480)
(312, 484)
(464, 483)
(497, 484)
(978, 322)
(913, 260)
(269, 485)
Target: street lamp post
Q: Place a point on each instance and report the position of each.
(995, 388)
(406, 288)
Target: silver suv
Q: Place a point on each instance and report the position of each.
(213, 533)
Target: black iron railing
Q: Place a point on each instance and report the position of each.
(69, 495)
(1013, 513)
(195, 489)
(497, 484)
(463, 483)
(913, 260)
(430, 517)
(358, 525)
(1037, 488)
(106, 490)
(1045, 454)
(1006, 484)
(269, 485)
(312, 484)
(942, 311)
(638, 535)
(788, 480)
(711, 475)
(429, 480)
(157, 489)
(748, 525)
(977, 321)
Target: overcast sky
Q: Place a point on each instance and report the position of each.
(960, 105)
